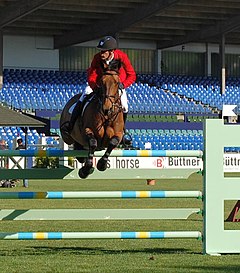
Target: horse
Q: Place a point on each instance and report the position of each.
(101, 124)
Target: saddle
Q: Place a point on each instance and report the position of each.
(88, 98)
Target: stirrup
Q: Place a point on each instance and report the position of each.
(127, 139)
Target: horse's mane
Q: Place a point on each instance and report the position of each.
(114, 65)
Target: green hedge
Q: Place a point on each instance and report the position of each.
(50, 162)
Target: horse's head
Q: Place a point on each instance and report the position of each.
(110, 87)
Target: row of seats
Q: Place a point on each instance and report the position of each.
(167, 139)
(142, 98)
(158, 138)
(42, 89)
(152, 118)
(206, 90)
(152, 98)
(167, 118)
(10, 134)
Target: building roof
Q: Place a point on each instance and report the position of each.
(166, 22)
(18, 119)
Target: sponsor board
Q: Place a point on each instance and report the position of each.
(231, 163)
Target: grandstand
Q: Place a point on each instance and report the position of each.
(163, 111)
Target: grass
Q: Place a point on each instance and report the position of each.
(109, 256)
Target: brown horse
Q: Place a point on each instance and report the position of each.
(101, 124)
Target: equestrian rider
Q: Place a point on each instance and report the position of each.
(108, 52)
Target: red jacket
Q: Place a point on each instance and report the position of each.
(126, 72)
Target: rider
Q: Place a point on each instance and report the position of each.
(108, 52)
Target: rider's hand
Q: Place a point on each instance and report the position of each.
(97, 89)
(120, 85)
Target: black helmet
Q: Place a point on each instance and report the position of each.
(107, 43)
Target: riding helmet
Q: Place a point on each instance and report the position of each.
(107, 43)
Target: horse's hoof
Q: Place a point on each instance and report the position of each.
(85, 172)
(82, 174)
(102, 164)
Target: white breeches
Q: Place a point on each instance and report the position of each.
(124, 100)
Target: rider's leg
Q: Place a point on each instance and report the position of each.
(68, 127)
(124, 102)
(127, 140)
(75, 114)
(125, 119)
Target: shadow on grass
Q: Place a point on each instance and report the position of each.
(91, 251)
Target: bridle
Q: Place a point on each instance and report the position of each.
(115, 100)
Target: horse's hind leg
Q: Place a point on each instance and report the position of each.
(102, 162)
(88, 165)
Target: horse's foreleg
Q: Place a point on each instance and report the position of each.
(88, 166)
(102, 162)
(92, 147)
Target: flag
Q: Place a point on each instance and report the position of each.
(228, 111)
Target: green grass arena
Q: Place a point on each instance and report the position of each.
(109, 255)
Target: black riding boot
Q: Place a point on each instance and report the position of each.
(124, 119)
(68, 126)
(126, 137)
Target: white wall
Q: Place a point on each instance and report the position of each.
(29, 52)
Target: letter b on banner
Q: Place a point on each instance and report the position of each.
(159, 162)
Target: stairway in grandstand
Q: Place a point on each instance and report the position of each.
(167, 111)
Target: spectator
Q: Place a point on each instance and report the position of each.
(3, 145)
(20, 144)
(3, 160)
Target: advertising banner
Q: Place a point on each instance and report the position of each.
(231, 163)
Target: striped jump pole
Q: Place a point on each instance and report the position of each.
(115, 153)
(99, 214)
(100, 235)
(100, 194)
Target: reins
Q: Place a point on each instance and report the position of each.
(116, 108)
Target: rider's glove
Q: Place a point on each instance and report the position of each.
(120, 85)
(97, 89)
